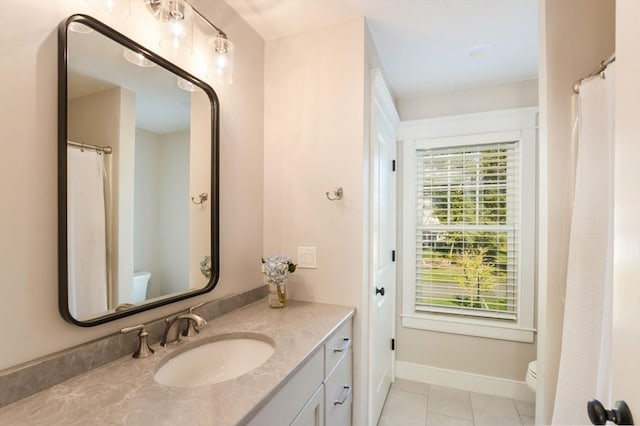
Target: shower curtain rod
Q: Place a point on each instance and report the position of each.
(603, 66)
(104, 149)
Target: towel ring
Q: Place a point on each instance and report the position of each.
(337, 194)
(203, 197)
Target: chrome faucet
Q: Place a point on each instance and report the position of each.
(143, 350)
(172, 327)
(192, 330)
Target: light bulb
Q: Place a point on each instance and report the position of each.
(222, 62)
(186, 85)
(138, 59)
(79, 28)
(179, 26)
(177, 29)
(222, 59)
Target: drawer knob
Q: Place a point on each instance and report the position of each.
(346, 390)
(344, 347)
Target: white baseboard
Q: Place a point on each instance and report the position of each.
(490, 385)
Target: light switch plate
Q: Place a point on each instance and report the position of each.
(307, 257)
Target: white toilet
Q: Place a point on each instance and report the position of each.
(140, 283)
(532, 375)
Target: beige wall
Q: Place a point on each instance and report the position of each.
(95, 118)
(121, 245)
(145, 227)
(199, 182)
(477, 355)
(172, 215)
(575, 36)
(514, 94)
(314, 142)
(162, 207)
(28, 171)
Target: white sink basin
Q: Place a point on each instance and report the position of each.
(214, 362)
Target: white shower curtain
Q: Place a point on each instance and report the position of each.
(86, 235)
(585, 362)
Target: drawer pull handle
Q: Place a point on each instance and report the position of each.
(344, 347)
(345, 394)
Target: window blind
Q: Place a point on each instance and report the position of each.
(467, 201)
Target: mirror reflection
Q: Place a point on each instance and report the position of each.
(138, 187)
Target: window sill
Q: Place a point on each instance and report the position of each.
(468, 326)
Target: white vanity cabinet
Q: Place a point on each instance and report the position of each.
(338, 382)
(320, 393)
(285, 406)
(313, 412)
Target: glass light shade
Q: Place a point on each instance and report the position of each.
(186, 85)
(222, 60)
(138, 59)
(118, 8)
(79, 28)
(178, 31)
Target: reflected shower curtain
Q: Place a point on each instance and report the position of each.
(585, 362)
(86, 235)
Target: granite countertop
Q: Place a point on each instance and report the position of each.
(123, 392)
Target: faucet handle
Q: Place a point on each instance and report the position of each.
(192, 329)
(143, 350)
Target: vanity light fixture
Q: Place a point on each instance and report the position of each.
(222, 58)
(178, 17)
(138, 59)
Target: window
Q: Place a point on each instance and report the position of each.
(469, 227)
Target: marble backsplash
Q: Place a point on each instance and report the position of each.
(32, 377)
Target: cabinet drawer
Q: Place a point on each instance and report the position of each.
(337, 346)
(339, 393)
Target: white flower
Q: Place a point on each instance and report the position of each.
(277, 268)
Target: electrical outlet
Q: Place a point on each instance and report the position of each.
(307, 257)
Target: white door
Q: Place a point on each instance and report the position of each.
(626, 257)
(382, 288)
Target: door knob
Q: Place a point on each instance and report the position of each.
(620, 415)
(380, 291)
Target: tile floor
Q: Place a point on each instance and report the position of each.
(419, 404)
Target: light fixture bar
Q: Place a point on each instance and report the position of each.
(205, 19)
(220, 60)
(155, 7)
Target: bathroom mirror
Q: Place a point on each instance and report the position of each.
(138, 177)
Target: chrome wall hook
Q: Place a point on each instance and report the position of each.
(203, 197)
(337, 194)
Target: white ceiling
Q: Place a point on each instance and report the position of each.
(422, 44)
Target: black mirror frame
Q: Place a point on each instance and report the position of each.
(63, 277)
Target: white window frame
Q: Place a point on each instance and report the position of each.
(517, 124)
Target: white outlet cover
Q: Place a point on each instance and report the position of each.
(307, 257)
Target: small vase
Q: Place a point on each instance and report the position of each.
(277, 297)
